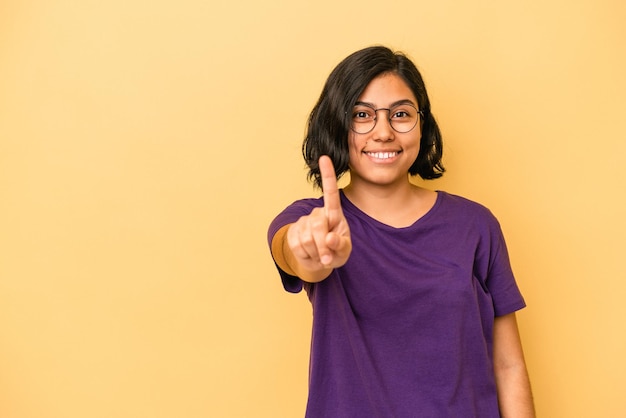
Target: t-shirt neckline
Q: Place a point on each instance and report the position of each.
(347, 204)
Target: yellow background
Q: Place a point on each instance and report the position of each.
(146, 145)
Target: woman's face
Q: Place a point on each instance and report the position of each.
(383, 155)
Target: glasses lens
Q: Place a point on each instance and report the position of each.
(363, 119)
(403, 118)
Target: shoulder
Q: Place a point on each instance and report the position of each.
(464, 213)
(293, 212)
(459, 202)
(302, 207)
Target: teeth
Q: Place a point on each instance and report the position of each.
(382, 155)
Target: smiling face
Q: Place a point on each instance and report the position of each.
(383, 156)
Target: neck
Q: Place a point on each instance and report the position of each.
(395, 205)
(379, 195)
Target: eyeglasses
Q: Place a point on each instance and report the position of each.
(402, 117)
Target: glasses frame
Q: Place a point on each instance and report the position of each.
(389, 119)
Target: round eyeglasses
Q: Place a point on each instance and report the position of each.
(402, 117)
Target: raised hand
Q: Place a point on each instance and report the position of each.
(321, 240)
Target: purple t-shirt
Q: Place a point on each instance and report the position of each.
(405, 327)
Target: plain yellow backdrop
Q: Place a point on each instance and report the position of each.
(146, 145)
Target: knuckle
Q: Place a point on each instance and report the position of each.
(318, 224)
(306, 240)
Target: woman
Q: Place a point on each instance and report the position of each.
(412, 291)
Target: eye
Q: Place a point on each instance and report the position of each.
(401, 114)
(363, 114)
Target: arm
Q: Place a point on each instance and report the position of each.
(317, 243)
(514, 394)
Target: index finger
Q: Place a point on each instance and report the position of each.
(332, 203)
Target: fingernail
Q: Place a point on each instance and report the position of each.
(326, 259)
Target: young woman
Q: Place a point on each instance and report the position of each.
(412, 291)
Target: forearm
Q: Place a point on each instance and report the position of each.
(514, 392)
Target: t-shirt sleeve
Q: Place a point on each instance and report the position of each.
(290, 215)
(500, 279)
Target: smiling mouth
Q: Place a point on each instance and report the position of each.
(382, 155)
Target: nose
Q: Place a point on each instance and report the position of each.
(383, 130)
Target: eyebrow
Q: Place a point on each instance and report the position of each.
(394, 104)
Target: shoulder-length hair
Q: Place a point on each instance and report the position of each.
(330, 120)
